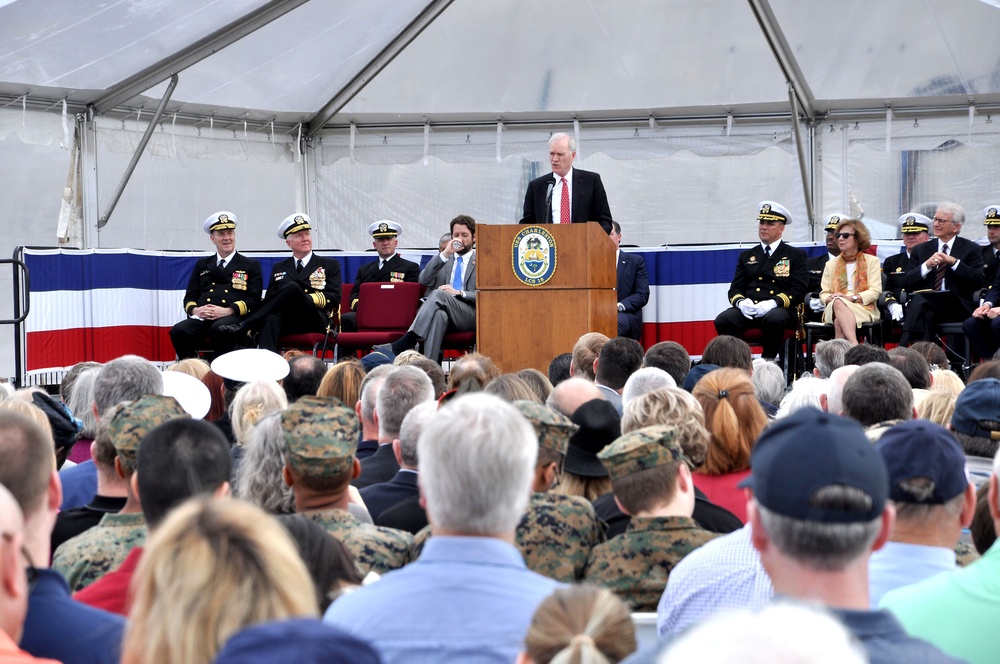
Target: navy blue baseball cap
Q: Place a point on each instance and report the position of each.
(797, 456)
(976, 408)
(300, 640)
(919, 448)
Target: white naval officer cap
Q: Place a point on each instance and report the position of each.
(991, 215)
(384, 228)
(293, 223)
(771, 211)
(219, 221)
(913, 222)
(833, 220)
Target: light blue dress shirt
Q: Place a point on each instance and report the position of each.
(466, 599)
(897, 564)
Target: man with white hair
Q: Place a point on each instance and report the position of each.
(567, 194)
(643, 381)
(829, 356)
(957, 611)
(833, 401)
(469, 596)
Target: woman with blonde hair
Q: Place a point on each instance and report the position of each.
(343, 380)
(511, 387)
(937, 406)
(579, 625)
(254, 401)
(946, 380)
(734, 420)
(192, 366)
(213, 567)
(851, 282)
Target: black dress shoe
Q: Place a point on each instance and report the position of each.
(233, 329)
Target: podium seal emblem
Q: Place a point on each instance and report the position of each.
(533, 256)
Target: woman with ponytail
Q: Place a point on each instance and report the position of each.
(734, 419)
(579, 625)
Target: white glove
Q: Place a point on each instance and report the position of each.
(765, 306)
(747, 307)
(816, 304)
(896, 311)
(621, 307)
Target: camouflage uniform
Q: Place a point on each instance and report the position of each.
(635, 565)
(130, 423)
(321, 436)
(95, 552)
(418, 543)
(375, 549)
(556, 535)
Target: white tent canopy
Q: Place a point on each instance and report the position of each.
(417, 111)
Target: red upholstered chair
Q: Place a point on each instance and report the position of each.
(320, 343)
(385, 311)
(456, 344)
(789, 356)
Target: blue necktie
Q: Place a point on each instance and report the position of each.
(456, 279)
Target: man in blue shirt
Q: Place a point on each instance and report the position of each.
(469, 597)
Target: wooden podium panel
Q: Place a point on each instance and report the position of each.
(521, 326)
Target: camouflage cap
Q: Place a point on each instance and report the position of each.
(642, 449)
(321, 436)
(553, 429)
(131, 422)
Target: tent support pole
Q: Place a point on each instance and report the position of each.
(380, 61)
(801, 150)
(102, 222)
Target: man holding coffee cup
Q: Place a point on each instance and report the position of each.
(451, 299)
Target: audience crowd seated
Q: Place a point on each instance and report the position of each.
(516, 483)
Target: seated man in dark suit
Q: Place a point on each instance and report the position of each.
(943, 278)
(222, 289)
(991, 252)
(915, 228)
(817, 264)
(390, 266)
(381, 496)
(633, 288)
(983, 327)
(567, 194)
(770, 281)
(302, 294)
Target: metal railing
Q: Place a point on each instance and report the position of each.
(22, 305)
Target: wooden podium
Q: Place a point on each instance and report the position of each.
(520, 325)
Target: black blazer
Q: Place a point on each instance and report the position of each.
(238, 286)
(320, 280)
(379, 467)
(380, 497)
(990, 265)
(590, 201)
(783, 277)
(633, 290)
(396, 269)
(816, 265)
(407, 515)
(963, 281)
(895, 268)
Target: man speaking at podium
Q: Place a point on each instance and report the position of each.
(567, 194)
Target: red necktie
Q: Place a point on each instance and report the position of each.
(564, 204)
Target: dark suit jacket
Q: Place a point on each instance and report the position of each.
(320, 280)
(366, 448)
(990, 265)
(396, 269)
(816, 265)
(590, 201)
(783, 277)
(238, 286)
(895, 268)
(407, 515)
(633, 291)
(380, 497)
(963, 281)
(379, 467)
